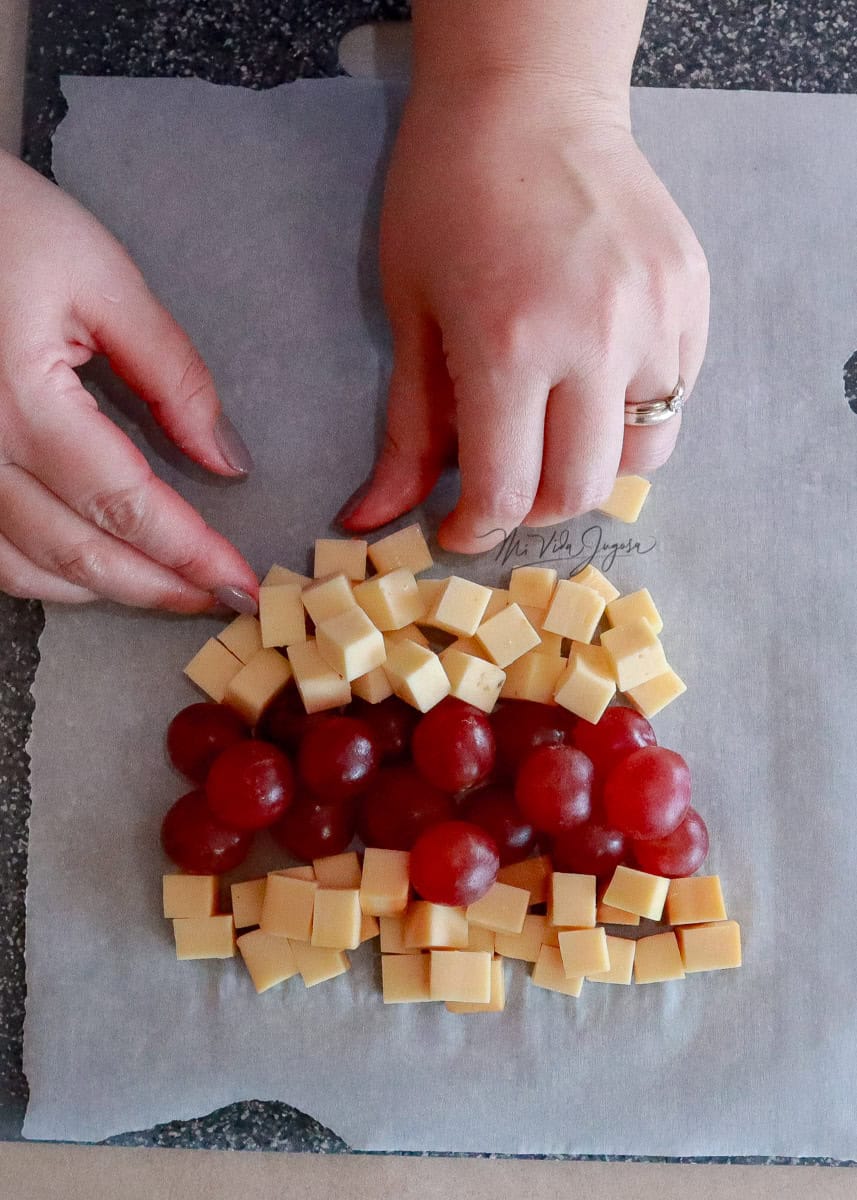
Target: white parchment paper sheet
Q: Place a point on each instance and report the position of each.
(254, 216)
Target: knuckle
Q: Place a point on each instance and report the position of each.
(510, 503)
(122, 512)
(574, 498)
(82, 564)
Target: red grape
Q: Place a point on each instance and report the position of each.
(311, 829)
(619, 733)
(590, 849)
(198, 843)
(647, 794)
(250, 785)
(398, 807)
(493, 809)
(521, 726)
(454, 862)
(453, 746)
(554, 788)
(285, 720)
(392, 722)
(338, 758)
(198, 734)
(679, 853)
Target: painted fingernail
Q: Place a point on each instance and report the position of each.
(352, 505)
(232, 446)
(237, 600)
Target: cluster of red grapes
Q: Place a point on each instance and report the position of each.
(465, 793)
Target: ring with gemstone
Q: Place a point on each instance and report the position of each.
(653, 412)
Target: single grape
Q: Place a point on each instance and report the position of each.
(398, 807)
(285, 720)
(392, 723)
(647, 794)
(250, 785)
(455, 862)
(493, 809)
(338, 758)
(554, 788)
(453, 746)
(619, 733)
(521, 726)
(200, 732)
(311, 829)
(590, 849)
(678, 854)
(197, 842)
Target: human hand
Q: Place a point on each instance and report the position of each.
(82, 515)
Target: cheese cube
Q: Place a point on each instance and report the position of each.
(551, 934)
(204, 937)
(390, 601)
(328, 598)
(584, 951)
(653, 695)
(710, 947)
(507, 636)
(657, 959)
(350, 644)
(282, 615)
(621, 953)
(533, 874)
(468, 645)
(532, 586)
(317, 964)
(550, 643)
(586, 686)
(405, 978)
(338, 870)
(305, 872)
(606, 914)
(635, 653)
(480, 939)
(571, 900)
(243, 636)
(502, 908)
(385, 885)
(499, 600)
(336, 918)
(591, 577)
(473, 680)
(435, 926)
(257, 684)
(626, 501)
(213, 668)
(408, 633)
(459, 608)
(373, 687)
(340, 556)
(549, 973)
(429, 590)
(405, 548)
(525, 945)
(634, 607)
(533, 677)
(497, 1001)
(416, 675)
(393, 935)
(574, 611)
(695, 900)
(279, 574)
(462, 975)
(287, 907)
(189, 895)
(637, 892)
(319, 685)
(369, 928)
(269, 960)
(247, 900)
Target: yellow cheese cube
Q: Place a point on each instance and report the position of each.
(408, 633)
(591, 577)
(653, 695)
(319, 685)
(637, 892)
(459, 608)
(416, 675)
(385, 884)
(549, 973)
(405, 548)
(584, 951)
(429, 590)
(533, 874)
(533, 677)
(435, 926)
(507, 636)
(340, 556)
(269, 960)
(405, 978)
(317, 964)
(190, 895)
(532, 586)
(257, 684)
(350, 644)
(608, 915)
(634, 607)
(502, 908)
(710, 947)
(247, 900)
(695, 900)
(657, 959)
(336, 918)
(635, 652)
(242, 637)
(204, 937)
(497, 1001)
(282, 615)
(468, 645)
(571, 900)
(525, 945)
(550, 937)
(473, 680)
(393, 935)
(305, 872)
(574, 611)
(621, 953)
(551, 643)
(328, 598)
(338, 870)
(287, 907)
(480, 939)
(213, 668)
(626, 501)
(369, 928)
(373, 687)
(499, 600)
(462, 975)
(586, 686)
(278, 575)
(390, 601)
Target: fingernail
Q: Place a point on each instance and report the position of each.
(352, 505)
(232, 446)
(236, 600)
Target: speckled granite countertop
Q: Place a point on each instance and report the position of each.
(781, 45)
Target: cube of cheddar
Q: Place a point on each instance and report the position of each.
(281, 614)
(278, 574)
(591, 577)
(626, 501)
(269, 960)
(338, 870)
(549, 974)
(287, 907)
(406, 978)
(340, 556)
(583, 952)
(242, 637)
(460, 975)
(571, 900)
(319, 685)
(502, 909)
(204, 937)
(467, 645)
(408, 633)
(533, 676)
(497, 1000)
(549, 643)
(304, 872)
(525, 945)
(606, 914)
(336, 918)
(633, 607)
(637, 892)
(532, 586)
(499, 600)
(473, 680)
(390, 601)
(257, 683)
(657, 959)
(213, 668)
(429, 590)
(317, 964)
(328, 598)
(715, 946)
(373, 687)
(350, 644)
(650, 697)
(405, 548)
(247, 900)
(621, 969)
(189, 895)
(574, 611)
(695, 900)
(480, 939)
(370, 928)
(416, 675)
(533, 874)
(435, 927)
(385, 885)
(507, 636)
(587, 685)
(460, 607)
(635, 653)
(393, 935)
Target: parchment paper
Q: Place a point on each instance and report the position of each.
(254, 216)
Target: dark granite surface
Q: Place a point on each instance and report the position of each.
(782, 45)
